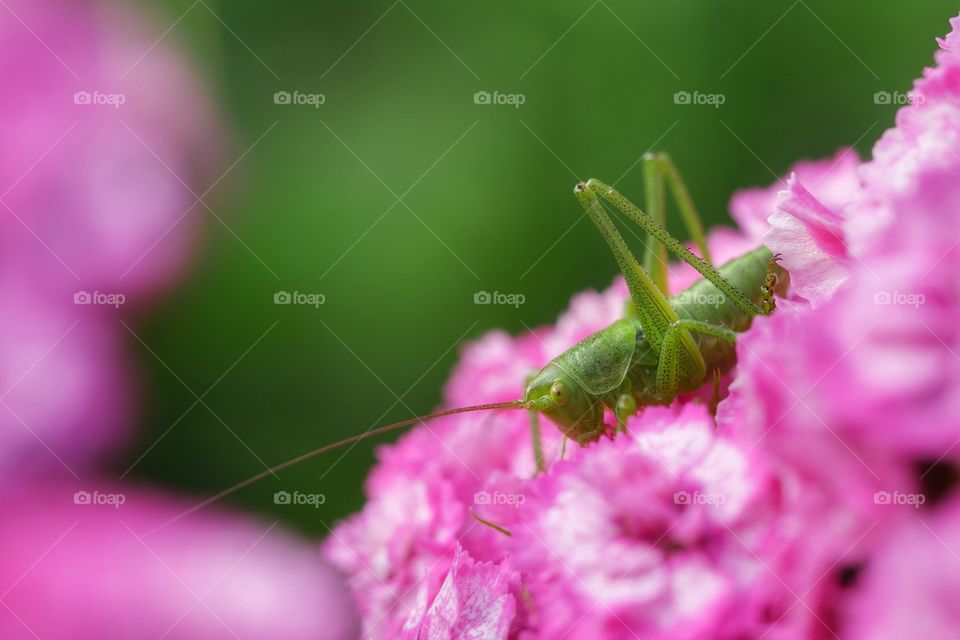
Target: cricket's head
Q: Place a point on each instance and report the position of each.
(557, 395)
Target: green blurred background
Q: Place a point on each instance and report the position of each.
(489, 205)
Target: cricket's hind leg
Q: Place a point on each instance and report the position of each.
(657, 169)
(615, 198)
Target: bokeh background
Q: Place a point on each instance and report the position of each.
(399, 198)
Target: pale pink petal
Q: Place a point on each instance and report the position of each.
(809, 240)
(475, 602)
(833, 181)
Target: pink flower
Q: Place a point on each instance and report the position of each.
(107, 143)
(78, 562)
(878, 362)
(652, 535)
(403, 537)
(495, 368)
(851, 395)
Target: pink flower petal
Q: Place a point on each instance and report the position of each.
(833, 181)
(808, 237)
(475, 601)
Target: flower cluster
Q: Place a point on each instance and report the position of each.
(819, 501)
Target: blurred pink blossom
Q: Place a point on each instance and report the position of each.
(104, 136)
(859, 395)
(878, 365)
(78, 563)
(809, 240)
(66, 389)
(834, 182)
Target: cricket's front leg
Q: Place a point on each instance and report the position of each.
(537, 442)
(535, 434)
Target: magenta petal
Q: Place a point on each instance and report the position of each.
(834, 181)
(475, 601)
(809, 239)
(89, 562)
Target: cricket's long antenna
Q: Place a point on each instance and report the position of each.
(514, 404)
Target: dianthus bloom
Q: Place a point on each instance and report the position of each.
(816, 504)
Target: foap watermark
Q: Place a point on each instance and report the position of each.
(99, 98)
(512, 299)
(299, 98)
(899, 298)
(898, 498)
(698, 98)
(714, 299)
(298, 498)
(99, 297)
(299, 297)
(512, 99)
(97, 498)
(499, 497)
(899, 98)
(712, 499)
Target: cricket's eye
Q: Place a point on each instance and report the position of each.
(559, 393)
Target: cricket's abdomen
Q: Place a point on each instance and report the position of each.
(704, 302)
